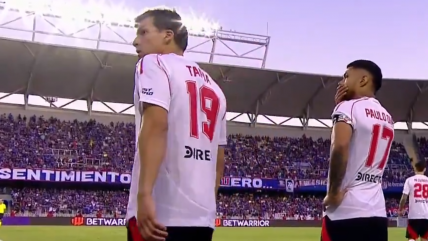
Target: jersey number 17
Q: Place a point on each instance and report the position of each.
(379, 132)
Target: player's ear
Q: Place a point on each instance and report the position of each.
(169, 36)
(364, 80)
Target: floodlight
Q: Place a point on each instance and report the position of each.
(200, 26)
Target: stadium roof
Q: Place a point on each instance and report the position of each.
(45, 70)
(97, 72)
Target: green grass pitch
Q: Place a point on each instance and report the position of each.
(69, 233)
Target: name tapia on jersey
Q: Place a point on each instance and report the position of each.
(196, 109)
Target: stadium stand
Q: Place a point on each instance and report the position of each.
(271, 171)
(37, 142)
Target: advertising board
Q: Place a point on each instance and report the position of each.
(92, 221)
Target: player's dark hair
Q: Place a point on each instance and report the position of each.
(420, 165)
(370, 67)
(167, 19)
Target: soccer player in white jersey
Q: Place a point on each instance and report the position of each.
(361, 139)
(181, 128)
(416, 188)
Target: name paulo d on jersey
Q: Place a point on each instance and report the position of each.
(373, 134)
(184, 190)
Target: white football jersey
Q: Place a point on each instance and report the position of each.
(184, 192)
(416, 187)
(373, 134)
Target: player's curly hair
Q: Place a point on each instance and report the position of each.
(370, 67)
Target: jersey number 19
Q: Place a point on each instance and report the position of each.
(209, 105)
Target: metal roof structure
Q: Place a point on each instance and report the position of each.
(36, 15)
(45, 70)
(29, 67)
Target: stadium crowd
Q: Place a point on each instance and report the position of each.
(38, 142)
(69, 202)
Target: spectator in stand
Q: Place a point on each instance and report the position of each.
(55, 202)
(69, 201)
(37, 142)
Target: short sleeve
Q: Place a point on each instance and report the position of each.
(223, 131)
(406, 188)
(153, 83)
(343, 113)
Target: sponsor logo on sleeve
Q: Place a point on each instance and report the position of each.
(147, 91)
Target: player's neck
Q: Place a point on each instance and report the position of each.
(174, 51)
(419, 173)
(180, 53)
(363, 95)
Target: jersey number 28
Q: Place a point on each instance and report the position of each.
(421, 190)
(379, 132)
(209, 105)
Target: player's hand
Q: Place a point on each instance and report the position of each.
(149, 228)
(341, 92)
(400, 213)
(334, 200)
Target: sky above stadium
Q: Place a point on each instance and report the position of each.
(323, 36)
(306, 36)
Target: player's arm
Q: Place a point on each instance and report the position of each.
(339, 151)
(220, 154)
(220, 168)
(404, 196)
(155, 99)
